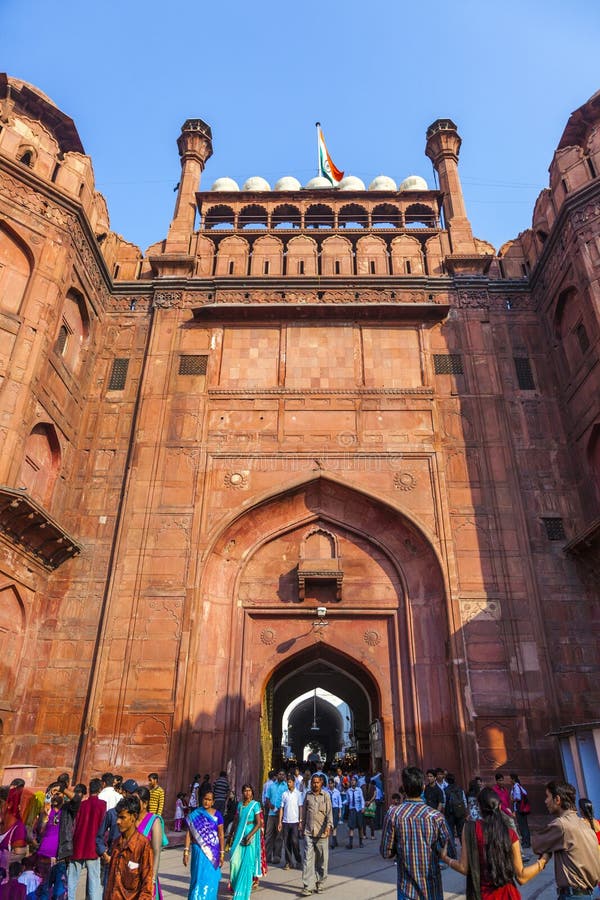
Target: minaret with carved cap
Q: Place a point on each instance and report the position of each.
(442, 148)
(195, 148)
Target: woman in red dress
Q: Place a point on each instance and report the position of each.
(491, 854)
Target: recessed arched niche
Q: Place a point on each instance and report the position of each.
(15, 269)
(41, 462)
(12, 634)
(320, 562)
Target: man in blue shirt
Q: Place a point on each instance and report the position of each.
(273, 837)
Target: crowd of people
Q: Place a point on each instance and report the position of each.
(114, 829)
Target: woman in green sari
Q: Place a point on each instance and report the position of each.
(245, 860)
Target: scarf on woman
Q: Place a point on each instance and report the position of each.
(204, 832)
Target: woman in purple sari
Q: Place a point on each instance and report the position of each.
(206, 836)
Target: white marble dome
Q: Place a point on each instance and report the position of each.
(256, 183)
(225, 184)
(351, 183)
(288, 183)
(414, 183)
(383, 183)
(318, 183)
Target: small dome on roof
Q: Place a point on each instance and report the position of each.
(225, 184)
(288, 183)
(383, 183)
(414, 183)
(351, 183)
(256, 183)
(318, 183)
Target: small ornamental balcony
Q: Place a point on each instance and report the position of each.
(585, 548)
(27, 525)
(320, 562)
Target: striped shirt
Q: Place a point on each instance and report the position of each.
(414, 833)
(157, 801)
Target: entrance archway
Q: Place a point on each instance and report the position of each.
(321, 666)
(378, 575)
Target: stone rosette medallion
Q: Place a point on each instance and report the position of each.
(267, 636)
(372, 638)
(404, 481)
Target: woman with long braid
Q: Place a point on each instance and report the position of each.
(491, 855)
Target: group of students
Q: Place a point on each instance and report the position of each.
(356, 797)
(112, 828)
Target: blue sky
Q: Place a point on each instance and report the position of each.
(375, 74)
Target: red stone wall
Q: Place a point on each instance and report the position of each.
(321, 406)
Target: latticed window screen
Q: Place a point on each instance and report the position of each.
(582, 337)
(118, 375)
(192, 365)
(555, 529)
(61, 340)
(447, 364)
(524, 373)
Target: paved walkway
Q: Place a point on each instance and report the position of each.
(358, 874)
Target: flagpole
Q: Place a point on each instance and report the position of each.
(317, 126)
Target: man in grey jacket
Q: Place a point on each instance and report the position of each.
(316, 824)
(572, 841)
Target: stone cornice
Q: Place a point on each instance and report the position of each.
(20, 184)
(345, 392)
(578, 199)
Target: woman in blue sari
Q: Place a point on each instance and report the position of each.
(246, 858)
(207, 839)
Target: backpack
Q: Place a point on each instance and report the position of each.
(456, 803)
(523, 806)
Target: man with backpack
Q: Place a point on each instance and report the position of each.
(456, 807)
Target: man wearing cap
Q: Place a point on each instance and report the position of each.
(572, 841)
(129, 786)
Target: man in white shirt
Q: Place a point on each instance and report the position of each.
(299, 780)
(336, 810)
(108, 793)
(356, 803)
(289, 817)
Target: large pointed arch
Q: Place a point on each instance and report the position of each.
(399, 633)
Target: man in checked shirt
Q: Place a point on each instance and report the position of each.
(415, 834)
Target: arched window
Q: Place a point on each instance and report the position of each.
(371, 256)
(15, 269)
(385, 215)
(353, 216)
(407, 256)
(336, 257)
(267, 256)
(27, 156)
(73, 330)
(301, 257)
(232, 257)
(219, 217)
(253, 216)
(319, 216)
(41, 462)
(286, 216)
(418, 215)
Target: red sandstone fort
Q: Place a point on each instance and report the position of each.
(299, 398)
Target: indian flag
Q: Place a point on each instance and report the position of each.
(327, 167)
